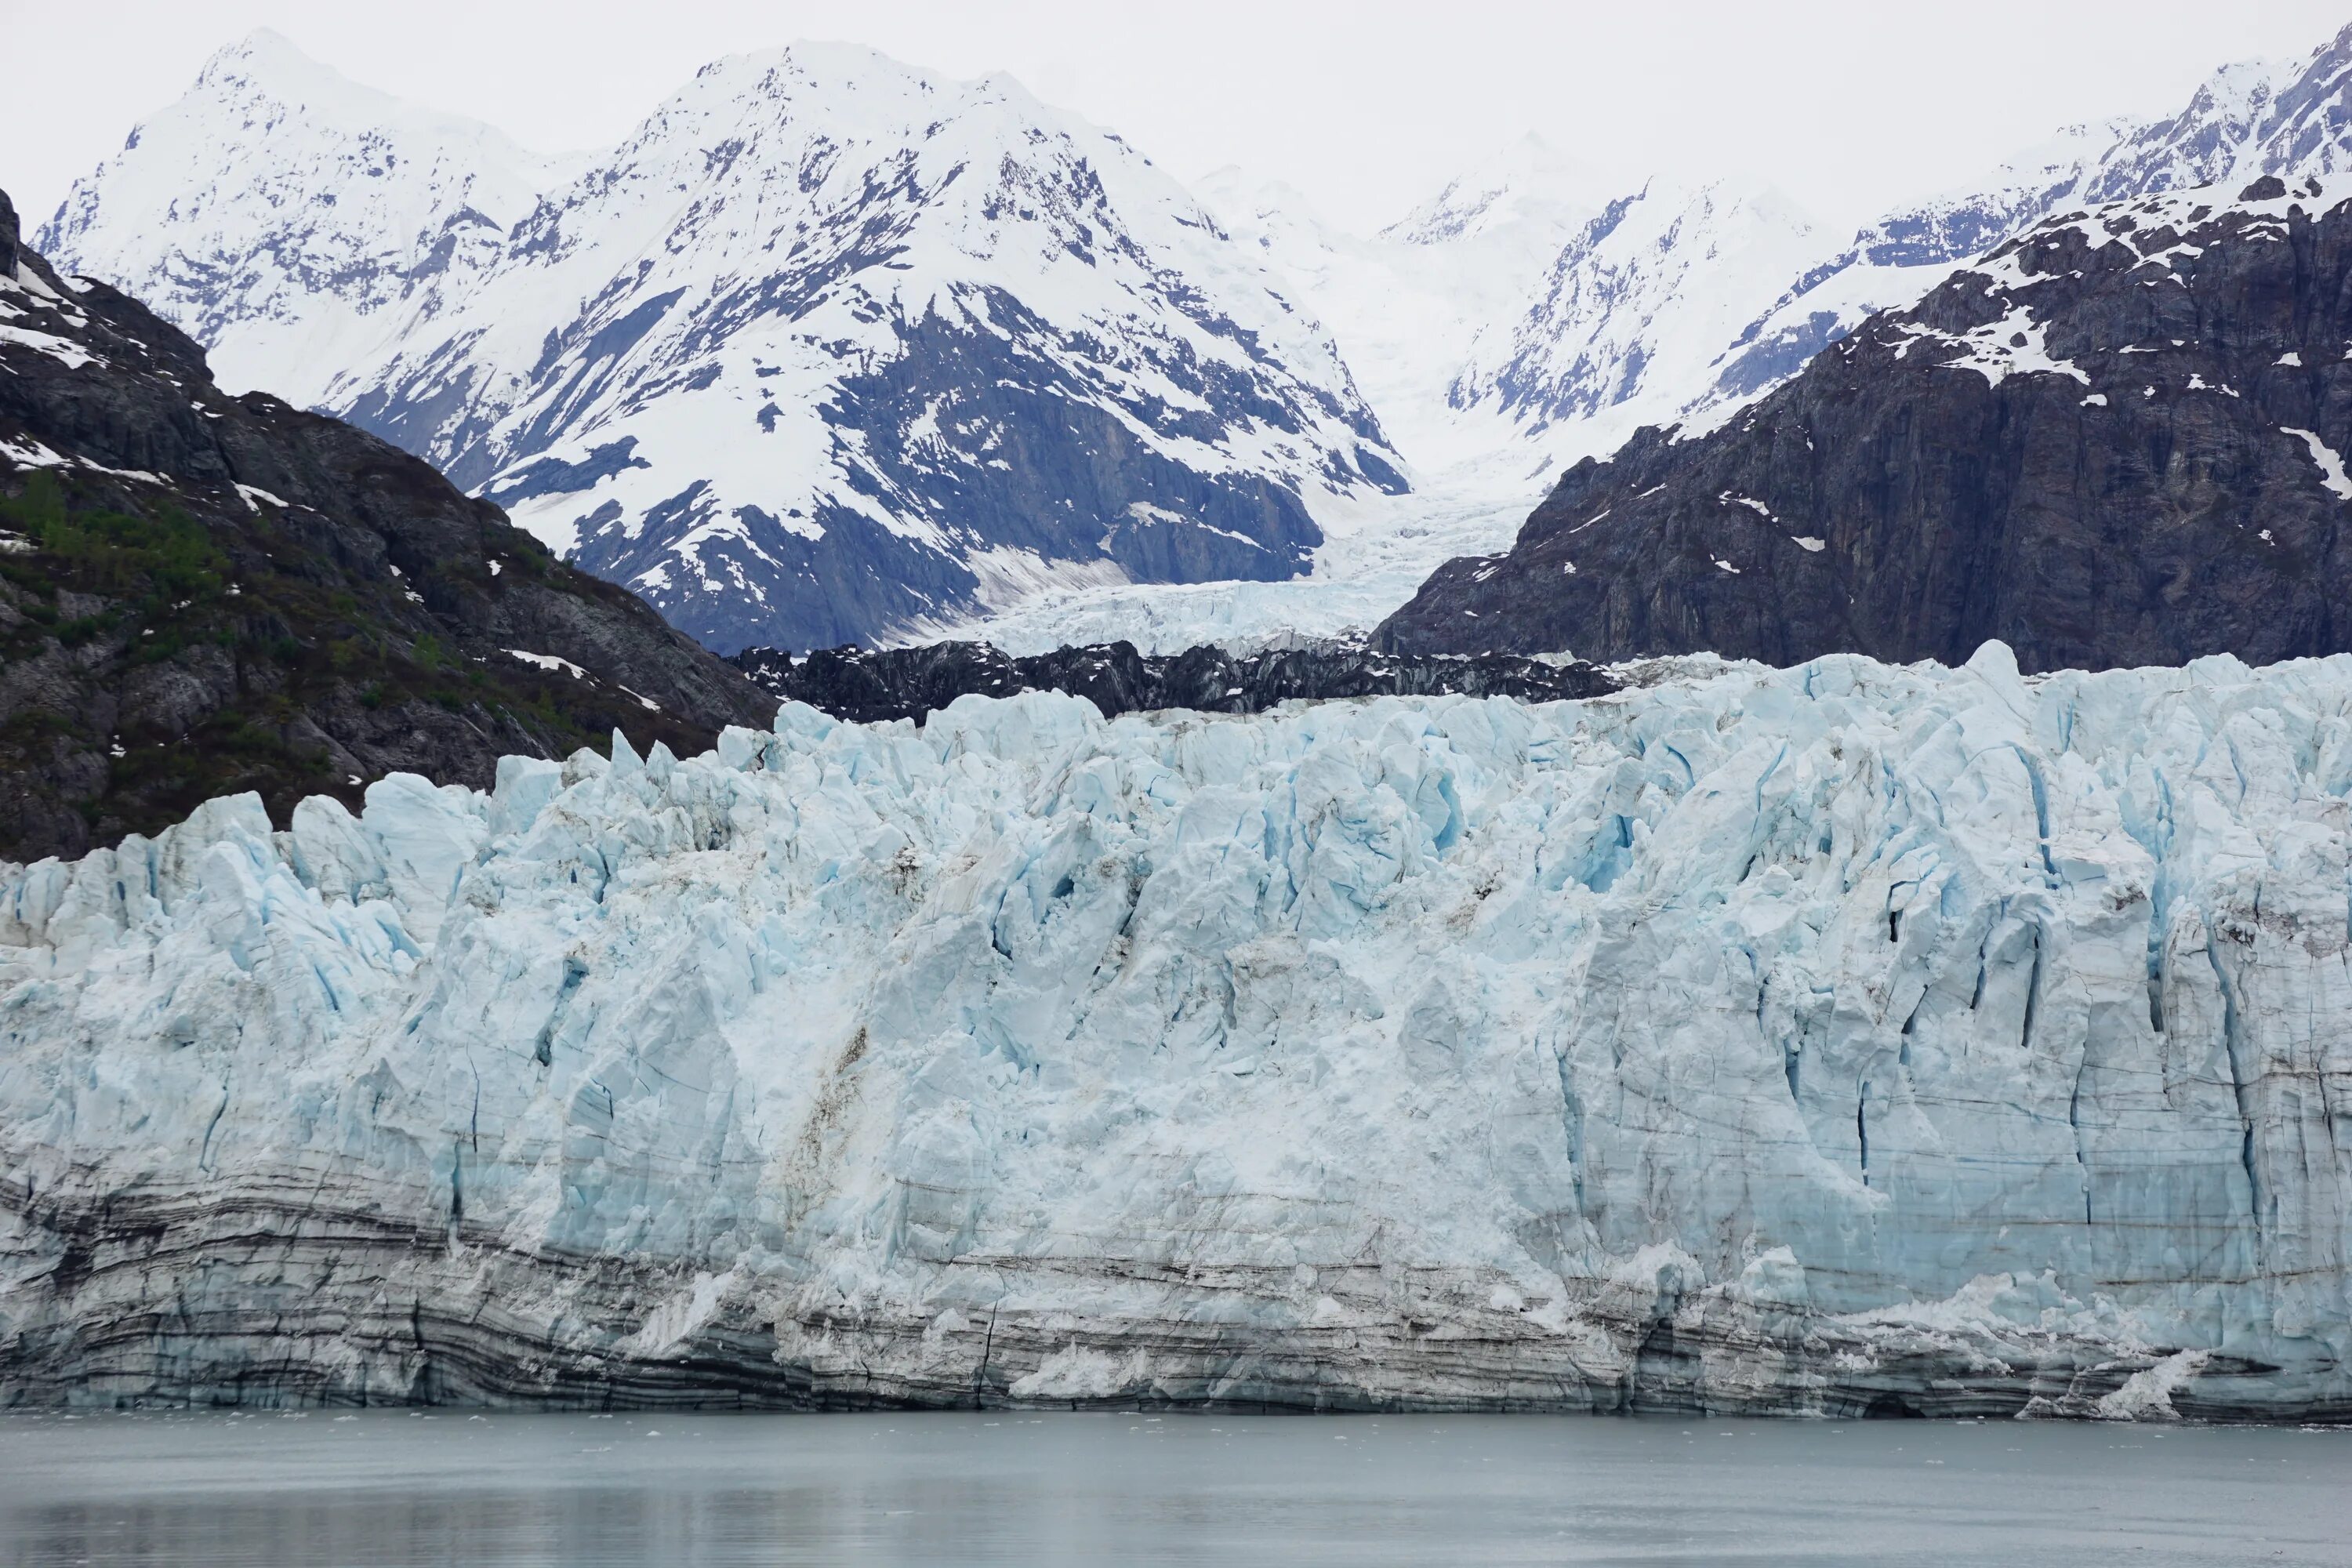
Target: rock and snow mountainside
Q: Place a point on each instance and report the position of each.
(1532, 316)
(2291, 119)
(2117, 440)
(1407, 307)
(1838, 1039)
(827, 346)
(1633, 309)
(1684, 301)
(200, 594)
(294, 222)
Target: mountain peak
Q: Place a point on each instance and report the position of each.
(1525, 181)
(267, 63)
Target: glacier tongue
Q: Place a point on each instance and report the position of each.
(1840, 1038)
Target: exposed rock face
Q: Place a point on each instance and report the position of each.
(826, 347)
(2115, 441)
(200, 594)
(869, 687)
(1835, 1040)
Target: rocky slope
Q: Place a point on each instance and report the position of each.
(827, 347)
(200, 594)
(2115, 441)
(1843, 1040)
(876, 686)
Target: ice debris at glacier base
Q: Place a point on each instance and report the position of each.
(1839, 1038)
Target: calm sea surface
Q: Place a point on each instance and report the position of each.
(684, 1490)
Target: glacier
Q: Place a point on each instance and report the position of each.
(1838, 1040)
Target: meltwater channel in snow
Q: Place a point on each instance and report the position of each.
(1833, 1040)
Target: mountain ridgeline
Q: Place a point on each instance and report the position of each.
(202, 595)
(2116, 440)
(827, 347)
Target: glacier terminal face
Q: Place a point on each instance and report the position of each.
(1836, 1040)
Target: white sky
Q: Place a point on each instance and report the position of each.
(1848, 105)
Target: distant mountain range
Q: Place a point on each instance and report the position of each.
(833, 350)
(827, 347)
(1679, 300)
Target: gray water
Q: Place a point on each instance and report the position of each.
(384, 1488)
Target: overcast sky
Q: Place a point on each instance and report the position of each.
(1846, 104)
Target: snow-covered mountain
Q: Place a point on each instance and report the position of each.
(1634, 308)
(1530, 315)
(1681, 299)
(294, 222)
(792, 364)
(827, 346)
(1841, 1040)
(1409, 305)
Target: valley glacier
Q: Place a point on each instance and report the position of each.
(1828, 1040)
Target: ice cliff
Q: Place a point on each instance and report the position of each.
(1838, 1039)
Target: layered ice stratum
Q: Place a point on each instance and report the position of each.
(1830, 1039)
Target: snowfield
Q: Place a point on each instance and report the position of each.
(1815, 1041)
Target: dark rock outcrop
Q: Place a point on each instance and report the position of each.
(2116, 440)
(866, 686)
(200, 594)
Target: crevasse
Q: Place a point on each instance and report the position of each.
(1838, 1039)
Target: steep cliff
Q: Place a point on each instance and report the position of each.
(1847, 1039)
